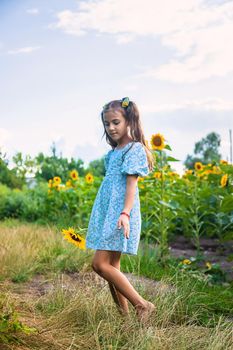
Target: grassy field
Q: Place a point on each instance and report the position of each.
(51, 299)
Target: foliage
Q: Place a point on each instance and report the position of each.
(8, 176)
(10, 325)
(197, 203)
(206, 151)
(96, 167)
(23, 166)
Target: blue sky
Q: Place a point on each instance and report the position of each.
(61, 61)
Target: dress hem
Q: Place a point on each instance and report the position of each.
(112, 250)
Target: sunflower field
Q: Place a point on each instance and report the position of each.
(51, 298)
(197, 204)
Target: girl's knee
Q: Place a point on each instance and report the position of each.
(97, 267)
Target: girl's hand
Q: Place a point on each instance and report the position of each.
(124, 221)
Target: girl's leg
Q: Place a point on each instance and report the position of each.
(119, 298)
(102, 265)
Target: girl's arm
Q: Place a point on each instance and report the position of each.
(123, 220)
(131, 184)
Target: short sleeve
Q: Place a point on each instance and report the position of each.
(135, 161)
(106, 159)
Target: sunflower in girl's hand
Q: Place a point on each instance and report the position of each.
(71, 236)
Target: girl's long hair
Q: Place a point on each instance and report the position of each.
(131, 114)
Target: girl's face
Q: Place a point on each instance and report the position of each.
(115, 125)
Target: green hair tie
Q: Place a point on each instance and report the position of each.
(125, 102)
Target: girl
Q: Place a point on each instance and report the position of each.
(115, 221)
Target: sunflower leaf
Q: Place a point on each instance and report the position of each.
(169, 205)
(168, 147)
(171, 159)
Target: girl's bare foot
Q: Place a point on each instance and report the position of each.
(123, 312)
(144, 312)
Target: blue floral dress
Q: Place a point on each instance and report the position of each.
(102, 230)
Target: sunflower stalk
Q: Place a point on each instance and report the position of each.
(162, 214)
(163, 232)
(195, 223)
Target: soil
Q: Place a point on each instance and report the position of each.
(39, 285)
(212, 249)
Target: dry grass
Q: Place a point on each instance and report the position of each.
(28, 249)
(75, 310)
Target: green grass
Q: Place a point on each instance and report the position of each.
(52, 286)
(211, 300)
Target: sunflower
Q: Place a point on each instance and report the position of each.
(186, 262)
(224, 180)
(57, 187)
(198, 166)
(71, 236)
(208, 171)
(89, 178)
(50, 183)
(223, 161)
(141, 185)
(74, 175)
(157, 141)
(216, 170)
(157, 174)
(69, 184)
(208, 265)
(56, 180)
(173, 174)
(140, 178)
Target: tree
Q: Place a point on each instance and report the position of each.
(206, 151)
(24, 165)
(96, 167)
(8, 177)
(50, 166)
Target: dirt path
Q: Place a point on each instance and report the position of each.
(40, 285)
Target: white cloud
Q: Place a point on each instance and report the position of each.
(27, 49)
(208, 104)
(199, 33)
(125, 16)
(125, 38)
(33, 11)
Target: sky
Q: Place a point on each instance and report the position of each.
(61, 61)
